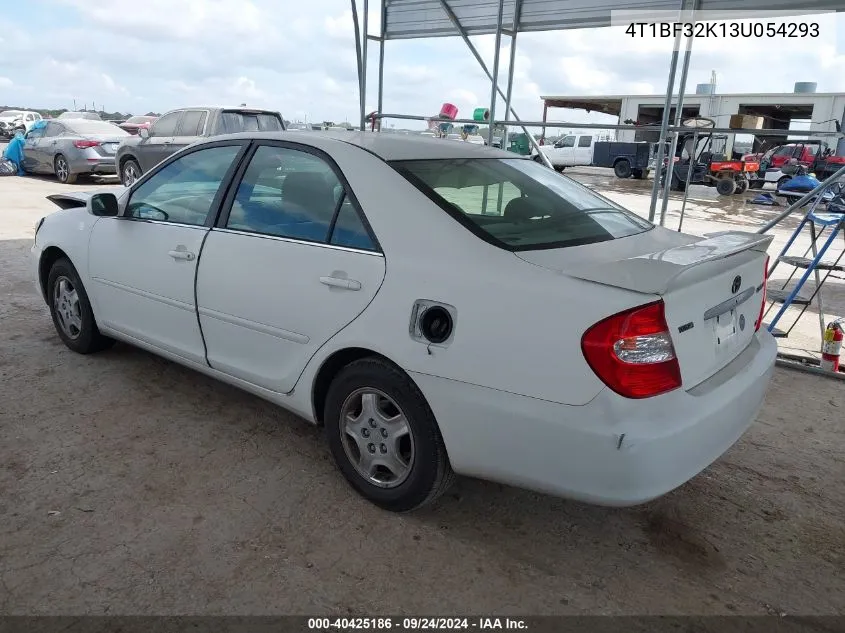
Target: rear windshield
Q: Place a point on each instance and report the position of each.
(84, 126)
(234, 122)
(140, 119)
(518, 204)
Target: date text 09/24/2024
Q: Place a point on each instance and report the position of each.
(415, 624)
(728, 30)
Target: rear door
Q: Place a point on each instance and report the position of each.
(191, 127)
(154, 149)
(289, 264)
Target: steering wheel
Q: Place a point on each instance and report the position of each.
(164, 214)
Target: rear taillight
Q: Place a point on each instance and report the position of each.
(763, 298)
(85, 144)
(632, 352)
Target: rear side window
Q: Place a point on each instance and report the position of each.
(585, 141)
(290, 193)
(192, 123)
(519, 204)
(232, 122)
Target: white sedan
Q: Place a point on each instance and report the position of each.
(438, 307)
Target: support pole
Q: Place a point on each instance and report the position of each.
(679, 116)
(545, 112)
(494, 90)
(517, 7)
(358, 56)
(457, 24)
(364, 42)
(664, 124)
(686, 184)
(381, 58)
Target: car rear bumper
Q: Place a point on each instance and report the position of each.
(612, 451)
(89, 162)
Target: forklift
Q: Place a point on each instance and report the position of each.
(704, 153)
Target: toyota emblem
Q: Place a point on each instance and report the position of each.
(737, 283)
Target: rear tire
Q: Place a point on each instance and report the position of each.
(622, 168)
(62, 170)
(71, 310)
(364, 436)
(130, 171)
(725, 186)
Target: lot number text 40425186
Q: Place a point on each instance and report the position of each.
(415, 624)
(726, 30)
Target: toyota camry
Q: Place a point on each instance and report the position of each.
(437, 307)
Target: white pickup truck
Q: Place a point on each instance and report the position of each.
(569, 151)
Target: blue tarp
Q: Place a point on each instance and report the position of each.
(14, 152)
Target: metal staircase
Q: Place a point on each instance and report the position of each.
(823, 226)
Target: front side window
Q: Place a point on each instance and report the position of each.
(166, 125)
(184, 191)
(290, 193)
(567, 141)
(35, 134)
(519, 204)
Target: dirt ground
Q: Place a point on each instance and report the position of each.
(129, 485)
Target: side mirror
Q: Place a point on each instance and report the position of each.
(104, 205)
(144, 132)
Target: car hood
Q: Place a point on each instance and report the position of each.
(8, 119)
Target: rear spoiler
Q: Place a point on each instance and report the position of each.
(657, 273)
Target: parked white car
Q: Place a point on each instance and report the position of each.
(12, 121)
(569, 151)
(547, 338)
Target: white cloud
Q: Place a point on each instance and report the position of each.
(165, 54)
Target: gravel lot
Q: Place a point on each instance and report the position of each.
(129, 485)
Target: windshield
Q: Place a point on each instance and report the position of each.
(11, 113)
(233, 122)
(85, 127)
(518, 204)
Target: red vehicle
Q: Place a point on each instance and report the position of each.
(134, 124)
(804, 153)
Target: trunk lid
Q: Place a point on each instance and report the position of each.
(711, 286)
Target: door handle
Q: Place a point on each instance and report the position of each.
(177, 254)
(337, 282)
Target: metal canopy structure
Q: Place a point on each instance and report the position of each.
(418, 19)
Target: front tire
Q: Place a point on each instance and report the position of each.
(71, 310)
(62, 170)
(130, 171)
(384, 437)
(741, 186)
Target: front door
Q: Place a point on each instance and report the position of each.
(143, 263)
(566, 151)
(275, 280)
(32, 151)
(157, 146)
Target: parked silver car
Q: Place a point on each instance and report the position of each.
(71, 148)
(90, 116)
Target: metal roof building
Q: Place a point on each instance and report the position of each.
(824, 111)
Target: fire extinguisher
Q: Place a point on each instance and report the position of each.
(831, 347)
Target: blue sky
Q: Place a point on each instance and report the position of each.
(160, 54)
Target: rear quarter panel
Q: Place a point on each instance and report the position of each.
(518, 326)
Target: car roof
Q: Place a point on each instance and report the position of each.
(388, 147)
